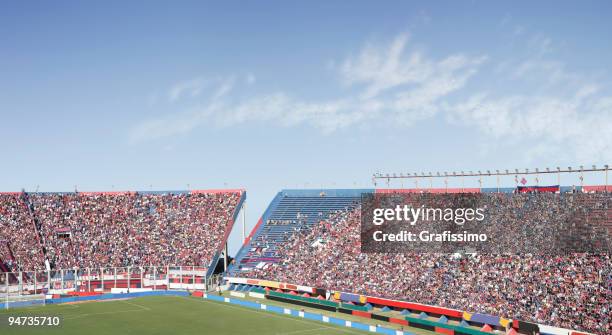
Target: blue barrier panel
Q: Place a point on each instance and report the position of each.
(337, 321)
(238, 302)
(361, 326)
(313, 316)
(108, 296)
(245, 303)
(383, 330)
(294, 312)
(276, 309)
(485, 318)
(26, 303)
(349, 297)
(216, 298)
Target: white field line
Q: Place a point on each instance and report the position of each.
(137, 305)
(140, 309)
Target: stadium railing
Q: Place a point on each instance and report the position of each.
(22, 288)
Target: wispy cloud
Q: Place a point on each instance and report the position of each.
(385, 68)
(574, 126)
(191, 88)
(398, 84)
(569, 115)
(382, 79)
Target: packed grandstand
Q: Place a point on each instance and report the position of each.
(322, 249)
(311, 238)
(41, 231)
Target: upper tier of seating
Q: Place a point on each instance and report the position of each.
(65, 230)
(564, 290)
(290, 212)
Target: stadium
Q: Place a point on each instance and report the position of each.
(305, 167)
(111, 260)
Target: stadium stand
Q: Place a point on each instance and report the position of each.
(113, 229)
(569, 291)
(19, 243)
(290, 215)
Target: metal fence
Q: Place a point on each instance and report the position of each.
(114, 280)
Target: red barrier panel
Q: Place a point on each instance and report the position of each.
(198, 294)
(362, 314)
(398, 321)
(289, 286)
(418, 307)
(84, 294)
(444, 331)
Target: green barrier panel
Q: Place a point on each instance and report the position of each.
(258, 290)
(305, 299)
(464, 330)
(354, 307)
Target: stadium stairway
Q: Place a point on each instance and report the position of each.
(39, 238)
(217, 255)
(290, 212)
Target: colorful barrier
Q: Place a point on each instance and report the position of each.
(525, 327)
(303, 301)
(275, 284)
(485, 319)
(307, 315)
(349, 297)
(355, 307)
(451, 313)
(443, 328)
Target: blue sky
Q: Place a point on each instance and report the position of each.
(271, 95)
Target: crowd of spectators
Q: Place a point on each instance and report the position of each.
(19, 245)
(571, 290)
(112, 230)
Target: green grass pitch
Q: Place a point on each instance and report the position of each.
(167, 315)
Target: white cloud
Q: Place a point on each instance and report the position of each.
(575, 126)
(191, 88)
(394, 83)
(225, 87)
(407, 85)
(381, 69)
